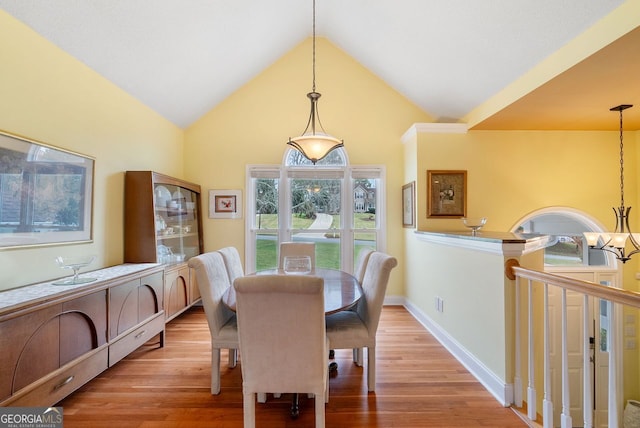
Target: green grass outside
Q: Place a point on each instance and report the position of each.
(361, 220)
(327, 253)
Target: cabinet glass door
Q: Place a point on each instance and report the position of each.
(176, 223)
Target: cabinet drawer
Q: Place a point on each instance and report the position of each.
(57, 385)
(136, 338)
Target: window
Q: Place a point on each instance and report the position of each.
(331, 204)
(566, 227)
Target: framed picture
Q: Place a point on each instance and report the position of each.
(408, 205)
(46, 194)
(446, 194)
(225, 204)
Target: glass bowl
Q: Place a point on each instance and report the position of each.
(474, 223)
(74, 263)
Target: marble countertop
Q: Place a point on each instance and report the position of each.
(46, 290)
(489, 236)
(507, 244)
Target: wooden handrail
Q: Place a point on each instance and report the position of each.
(616, 295)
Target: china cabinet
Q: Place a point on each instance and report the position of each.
(163, 224)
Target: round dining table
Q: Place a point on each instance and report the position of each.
(341, 289)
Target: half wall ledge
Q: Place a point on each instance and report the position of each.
(507, 244)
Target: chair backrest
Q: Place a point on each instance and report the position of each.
(213, 281)
(361, 264)
(282, 334)
(297, 249)
(374, 287)
(232, 262)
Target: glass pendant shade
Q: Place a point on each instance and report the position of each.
(315, 146)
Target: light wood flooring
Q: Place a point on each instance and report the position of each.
(419, 384)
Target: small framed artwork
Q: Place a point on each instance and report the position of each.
(225, 204)
(408, 205)
(446, 194)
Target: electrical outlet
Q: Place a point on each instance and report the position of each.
(439, 303)
(630, 344)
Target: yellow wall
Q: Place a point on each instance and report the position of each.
(253, 125)
(511, 174)
(49, 96)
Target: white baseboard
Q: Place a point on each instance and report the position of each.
(502, 391)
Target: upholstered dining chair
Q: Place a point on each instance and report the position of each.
(283, 343)
(357, 329)
(213, 281)
(361, 265)
(297, 249)
(232, 262)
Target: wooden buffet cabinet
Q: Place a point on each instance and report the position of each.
(163, 225)
(55, 338)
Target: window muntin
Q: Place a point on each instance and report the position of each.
(326, 191)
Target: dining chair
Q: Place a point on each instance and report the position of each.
(213, 280)
(357, 329)
(361, 265)
(283, 342)
(232, 263)
(297, 249)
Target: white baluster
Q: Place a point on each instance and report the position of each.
(612, 338)
(587, 400)
(517, 380)
(565, 416)
(547, 402)
(531, 389)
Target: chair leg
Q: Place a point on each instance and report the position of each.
(249, 409)
(371, 368)
(319, 412)
(357, 356)
(233, 357)
(215, 371)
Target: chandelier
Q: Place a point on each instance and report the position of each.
(616, 242)
(314, 143)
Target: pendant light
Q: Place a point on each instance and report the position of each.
(314, 143)
(616, 242)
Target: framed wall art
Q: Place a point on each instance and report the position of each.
(46, 194)
(408, 205)
(446, 194)
(225, 204)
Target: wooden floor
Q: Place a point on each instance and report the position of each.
(419, 384)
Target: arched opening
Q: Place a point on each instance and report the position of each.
(568, 247)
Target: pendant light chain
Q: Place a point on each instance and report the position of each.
(621, 164)
(313, 86)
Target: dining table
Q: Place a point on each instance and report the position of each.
(342, 291)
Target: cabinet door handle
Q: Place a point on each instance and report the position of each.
(139, 335)
(63, 383)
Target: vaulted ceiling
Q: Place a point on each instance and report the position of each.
(183, 57)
